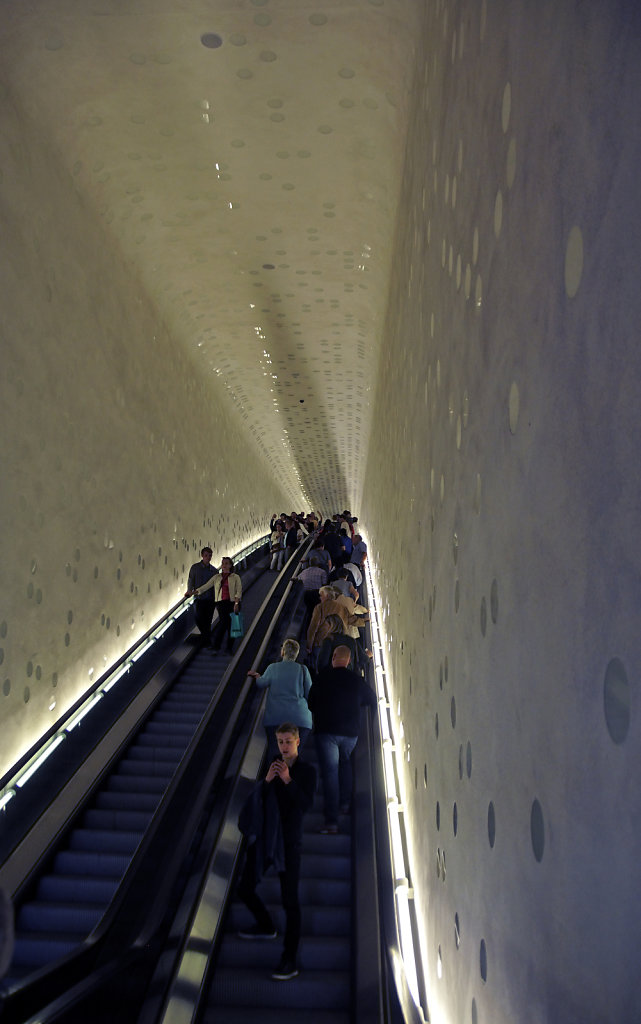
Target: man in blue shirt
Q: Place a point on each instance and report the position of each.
(359, 551)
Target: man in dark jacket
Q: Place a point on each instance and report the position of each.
(287, 793)
(333, 545)
(204, 607)
(335, 701)
(291, 537)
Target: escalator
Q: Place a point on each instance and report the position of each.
(166, 950)
(64, 908)
(217, 977)
(72, 896)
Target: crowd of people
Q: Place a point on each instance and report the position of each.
(321, 694)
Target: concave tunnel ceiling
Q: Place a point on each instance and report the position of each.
(244, 158)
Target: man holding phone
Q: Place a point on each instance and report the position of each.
(285, 795)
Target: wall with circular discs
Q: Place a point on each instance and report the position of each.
(506, 443)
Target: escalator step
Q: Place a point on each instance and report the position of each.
(117, 801)
(316, 920)
(79, 862)
(119, 821)
(59, 918)
(174, 729)
(33, 951)
(327, 990)
(199, 679)
(156, 755)
(189, 696)
(103, 841)
(274, 1015)
(156, 769)
(328, 846)
(191, 708)
(168, 741)
(161, 716)
(135, 783)
(316, 953)
(76, 889)
(329, 892)
(316, 866)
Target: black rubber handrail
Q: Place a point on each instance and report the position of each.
(221, 864)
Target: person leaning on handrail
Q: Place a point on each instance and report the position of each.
(228, 591)
(200, 579)
(288, 684)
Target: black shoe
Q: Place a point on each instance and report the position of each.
(256, 932)
(286, 969)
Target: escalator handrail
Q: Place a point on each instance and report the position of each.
(219, 872)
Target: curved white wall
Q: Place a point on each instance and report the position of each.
(507, 448)
(119, 460)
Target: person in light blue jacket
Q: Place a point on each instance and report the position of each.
(289, 683)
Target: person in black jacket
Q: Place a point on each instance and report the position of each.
(335, 701)
(285, 795)
(291, 537)
(204, 607)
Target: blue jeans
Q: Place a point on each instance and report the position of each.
(334, 760)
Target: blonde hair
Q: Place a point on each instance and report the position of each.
(290, 649)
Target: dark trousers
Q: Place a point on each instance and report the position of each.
(310, 598)
(288, 894)
(203, 614)
(224, 608)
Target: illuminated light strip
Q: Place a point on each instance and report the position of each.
(143, 650)
(6, 797)
(39, 761)
(85, 711)
(402, 891)
(118, 675)
(163, 629)
(407, 940)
